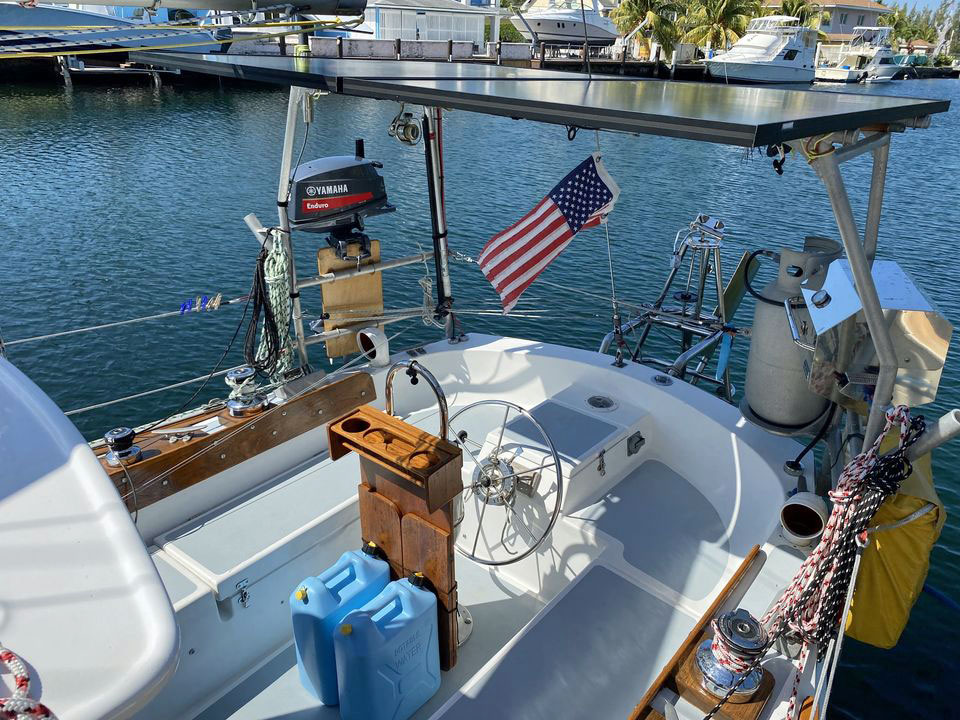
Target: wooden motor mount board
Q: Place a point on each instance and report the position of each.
(181, 466)
(408, 479)
(361, 295)
(682, 677)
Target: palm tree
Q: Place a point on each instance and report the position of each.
(809, 13)
(719, 22)
(658, 16)
(899, 25)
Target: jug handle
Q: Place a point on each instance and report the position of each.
(333, 578)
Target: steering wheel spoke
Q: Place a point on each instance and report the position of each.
(495, 474)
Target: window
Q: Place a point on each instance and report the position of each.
(790, 54)
(886, 61)
(843, 18)
(860, 19)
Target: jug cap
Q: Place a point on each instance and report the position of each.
(371, 548)
(346, 629)
(301, 594)
(417, 580)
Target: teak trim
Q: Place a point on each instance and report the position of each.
(183, 464)
(671, 667)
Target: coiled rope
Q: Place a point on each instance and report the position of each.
(812, 607)
(20, 706)
(270, 297)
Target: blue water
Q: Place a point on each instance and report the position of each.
(116, 203)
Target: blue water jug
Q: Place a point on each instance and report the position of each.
(317, 606)
(388, 655)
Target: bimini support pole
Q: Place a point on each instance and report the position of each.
(433, 154)
(881, 155)
(297, 95)
(827, 167)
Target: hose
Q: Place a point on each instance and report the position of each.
(820, 433)
(749, 287)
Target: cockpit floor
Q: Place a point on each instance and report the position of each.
(668, 529)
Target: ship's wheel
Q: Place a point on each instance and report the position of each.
(512, 482)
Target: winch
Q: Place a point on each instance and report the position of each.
(335, 194)
(122, 450)
(244, 397)
(729, 659)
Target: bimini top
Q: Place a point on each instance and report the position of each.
(731, 114)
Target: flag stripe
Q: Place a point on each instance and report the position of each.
(508, 253)
(513, 295)
(530, 255)
(505, 235)
(526, 250)
(527, 274)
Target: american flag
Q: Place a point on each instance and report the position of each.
(513, 258)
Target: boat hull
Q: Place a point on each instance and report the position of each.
(840, 75)
(760, 73)
(564, 30)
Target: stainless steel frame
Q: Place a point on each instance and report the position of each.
(827, 165)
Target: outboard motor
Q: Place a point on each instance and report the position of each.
(335, 194)
(777, 394)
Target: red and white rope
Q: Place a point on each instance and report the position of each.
(722, 653)
(20, 706)
(808, 608)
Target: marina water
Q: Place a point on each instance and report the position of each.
(118, 203)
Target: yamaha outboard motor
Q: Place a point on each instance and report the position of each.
(335, 194)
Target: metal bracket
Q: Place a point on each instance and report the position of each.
(634, 443)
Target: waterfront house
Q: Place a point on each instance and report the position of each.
(917, 46)
(844, 16)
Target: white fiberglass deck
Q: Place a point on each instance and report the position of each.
(579, 628)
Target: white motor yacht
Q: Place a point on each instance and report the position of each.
(562, 21)
(775, 49)
(868, 57)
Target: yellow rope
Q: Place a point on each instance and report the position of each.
(151, 48)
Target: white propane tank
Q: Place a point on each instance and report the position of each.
(776, 384)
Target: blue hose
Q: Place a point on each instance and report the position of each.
(725, 344)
